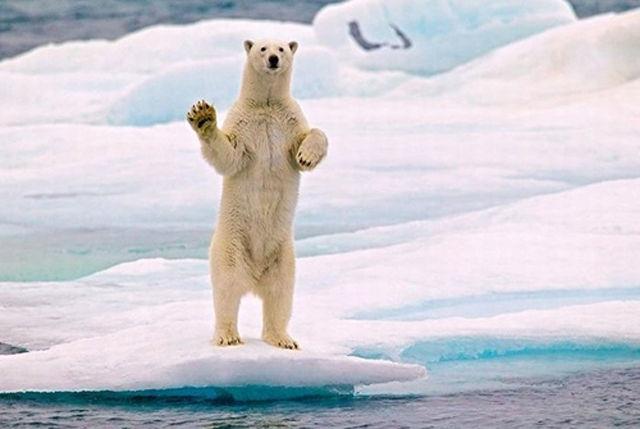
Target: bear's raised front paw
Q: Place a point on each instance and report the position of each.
(283, 341)
(227, 339)
(202, 117)
(310, 154)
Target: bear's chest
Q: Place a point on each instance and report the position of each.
(268, 138)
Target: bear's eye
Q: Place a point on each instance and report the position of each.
(263, 49)
(281, 49)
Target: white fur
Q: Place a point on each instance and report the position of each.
(260, 150)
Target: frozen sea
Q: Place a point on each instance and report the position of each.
(468, 253)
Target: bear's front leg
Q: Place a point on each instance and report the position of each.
(220, 150)
(312, 150)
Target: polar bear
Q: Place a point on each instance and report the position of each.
(263, 145)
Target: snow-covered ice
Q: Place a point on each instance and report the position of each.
(480, 222)
(431, 36)
(568, 63)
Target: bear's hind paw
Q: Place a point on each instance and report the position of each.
(227, 340)
(283, 341)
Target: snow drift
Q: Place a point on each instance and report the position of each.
(589, 56)
(430, 36)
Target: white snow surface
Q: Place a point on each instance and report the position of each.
(565, 63)
(478, 222)
(443, 33)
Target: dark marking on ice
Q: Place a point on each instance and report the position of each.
(406, 42)
(356, 33)
(8, 349)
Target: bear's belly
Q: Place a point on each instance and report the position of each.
(258, 203)
(270, 207)
(256, 226)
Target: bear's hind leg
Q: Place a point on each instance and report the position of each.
(276, 291)
(226, 302)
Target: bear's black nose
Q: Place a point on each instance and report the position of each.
(273, 61)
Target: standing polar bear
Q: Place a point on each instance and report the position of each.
(263, 145)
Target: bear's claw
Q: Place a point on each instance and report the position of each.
(227, 340)
(311, 152)
(291, 345)
(308, 159)
(283, 341)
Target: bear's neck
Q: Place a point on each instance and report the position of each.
(262, 89)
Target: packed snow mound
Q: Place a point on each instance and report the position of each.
(146, 325)
(431, 36)
(139, 359)
(166, 96)
(591, 55)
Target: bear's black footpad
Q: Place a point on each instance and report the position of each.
(203, 121)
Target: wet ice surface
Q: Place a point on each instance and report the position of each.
(480, 223)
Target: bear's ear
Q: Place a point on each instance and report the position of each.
(293, 46)
(248, 44)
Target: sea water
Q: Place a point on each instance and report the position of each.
(604, 398)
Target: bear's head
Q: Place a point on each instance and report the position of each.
(270, 57)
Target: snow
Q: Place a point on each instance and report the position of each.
(568, 62)
(480, 223)
(177, 360)
(442, 33)
(147, 325)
